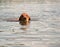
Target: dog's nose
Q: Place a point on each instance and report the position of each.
(24, 18)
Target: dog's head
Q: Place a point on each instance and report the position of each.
(24, 17)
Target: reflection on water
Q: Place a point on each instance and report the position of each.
(42, 31)
(25, 25)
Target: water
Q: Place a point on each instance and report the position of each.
(44, 31)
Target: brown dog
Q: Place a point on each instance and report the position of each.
(24, 19)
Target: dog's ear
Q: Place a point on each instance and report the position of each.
(20, 17)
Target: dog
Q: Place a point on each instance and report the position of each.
(24, 19)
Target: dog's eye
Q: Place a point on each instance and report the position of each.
(29, 19)
(21, 15)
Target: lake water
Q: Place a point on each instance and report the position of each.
(44, 31)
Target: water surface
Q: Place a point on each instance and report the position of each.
(44, 31)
